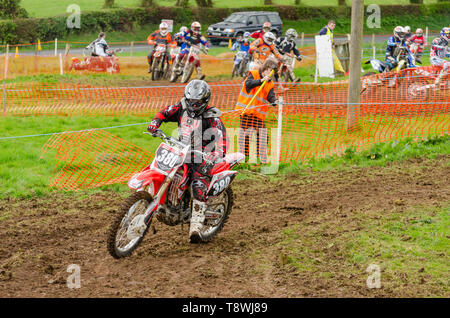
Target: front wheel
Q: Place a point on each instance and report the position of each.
(128, 227)
(187, 73)
(217, 213)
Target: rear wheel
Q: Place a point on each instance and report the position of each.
(128, 229)
(221, 206)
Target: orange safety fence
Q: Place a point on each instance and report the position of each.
(94, 158)
(311, 122)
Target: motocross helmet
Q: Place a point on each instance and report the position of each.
(269, 38)
(183, 29)
(163, 28)
(399, 32)
(196, 27)
(266, 26)
(407, 29)
(197, 95)
(445, 35)
(419, 32)
(291, 34)
(246, 36)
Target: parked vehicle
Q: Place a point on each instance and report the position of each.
(240, 22)
(162, 190)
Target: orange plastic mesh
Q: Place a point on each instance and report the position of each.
(94, 158)
(414, 103)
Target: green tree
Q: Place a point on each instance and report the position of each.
(204, 3)
(146, 3)
(11, 9)
(109, 4)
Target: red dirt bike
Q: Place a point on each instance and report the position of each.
(163, 190)
(185, 67)
(105, 64)
(287, 66)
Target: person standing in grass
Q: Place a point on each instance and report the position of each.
(328, 30)
(253, 104)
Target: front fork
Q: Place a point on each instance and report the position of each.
(155, 203)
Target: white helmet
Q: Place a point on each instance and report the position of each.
(269, 38)
(163, 28)
(399, 32)
(183, 29)
(196, 27)
(407, 29)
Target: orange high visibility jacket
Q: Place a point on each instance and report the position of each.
(260, 100)
(261, 50)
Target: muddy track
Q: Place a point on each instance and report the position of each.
(42, 236)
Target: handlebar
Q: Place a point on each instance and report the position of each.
(161, 134)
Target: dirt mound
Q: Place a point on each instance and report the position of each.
(41, 237)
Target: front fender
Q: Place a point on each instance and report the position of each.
(147, 178)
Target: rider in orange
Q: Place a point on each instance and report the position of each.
(160, 36)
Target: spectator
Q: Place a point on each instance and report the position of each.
(328, 30)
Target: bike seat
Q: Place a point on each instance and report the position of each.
(227, 162)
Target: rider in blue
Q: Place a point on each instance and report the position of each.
(242, 42)
(392, 43)
(192, 37)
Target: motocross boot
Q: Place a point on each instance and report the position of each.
(197, 219)
(200, 76)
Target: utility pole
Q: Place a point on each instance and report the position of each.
(354, 87)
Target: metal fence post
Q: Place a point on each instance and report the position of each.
(279, 127)
(6, 61)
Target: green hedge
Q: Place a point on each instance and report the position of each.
(46, 29)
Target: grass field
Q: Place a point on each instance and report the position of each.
(57, 7)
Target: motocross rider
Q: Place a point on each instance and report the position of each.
(418, 39)
(192, 37)
(243, 43)
(392, 43)
(440, 50)
(99, 46)
(287, 44)
(198, 124)
(159, 36)
(259, 34)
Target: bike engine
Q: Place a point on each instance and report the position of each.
(172, 213)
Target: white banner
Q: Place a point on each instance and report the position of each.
(324, 57)
(169, 23)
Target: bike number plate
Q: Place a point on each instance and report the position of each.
(167, 158)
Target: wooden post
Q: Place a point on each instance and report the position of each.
(426, 34)
(303, 39)
(131, 50)
(373, 39)
(6, 61)
(374, 52)
(4, 98)
(67, 49)
(56, 47)
(354, 87)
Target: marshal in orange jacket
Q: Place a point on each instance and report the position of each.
(260, 104)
